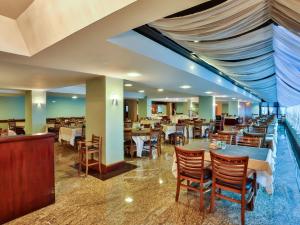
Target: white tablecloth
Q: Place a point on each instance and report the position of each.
(139, 141)
(169, 129)
(68, 134)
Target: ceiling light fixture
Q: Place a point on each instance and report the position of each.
(208, 92)
(134, 74)
(160, 90)
(196, 41)
(141, 91)
(233, 98)
(192, 67)
(74, 97)
(185, 86)
(128, 85)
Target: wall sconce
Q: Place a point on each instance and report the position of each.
(114, 100)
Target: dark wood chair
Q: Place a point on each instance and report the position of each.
(259, 129)
(154, 142)
(197, 129)
(222, 137)
(87, 151)
(127, 124)
(128, 142)
(233, 135)
(179, 135)
(191, 168)
(231, 174)
(249, 141)
(146, 125)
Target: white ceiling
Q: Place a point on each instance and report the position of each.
(87, 53)
(13, 8)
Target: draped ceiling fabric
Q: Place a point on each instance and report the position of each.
(238, 39)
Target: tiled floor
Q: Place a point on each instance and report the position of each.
(150, 193)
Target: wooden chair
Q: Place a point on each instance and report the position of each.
(259, 129)
(154, 142)
(197, 129)
(233, 135)
(179, 135)
(191, 168)
(87, 149)
(262, 136)
(232, 174)
(12, 125)
(222, 137)
(249, 141)
(146, 125)
(127, 124)
(128, 142)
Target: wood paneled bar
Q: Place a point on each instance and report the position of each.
(26, 174)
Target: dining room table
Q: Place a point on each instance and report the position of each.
(139, 136)
(69, 134)
(260, 159)
(171, 128)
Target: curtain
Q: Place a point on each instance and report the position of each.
(235, 38)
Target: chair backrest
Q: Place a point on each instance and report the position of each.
(259, 129)
(180, 128)
(249, 141)
(146, 125)
(97, 141)
(127, 134)
(198, 124)
(222, 137)
(12, 124)
(229, 170)
(127, 124)
(189, 163)
(233, 135)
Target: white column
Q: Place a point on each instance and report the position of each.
(35, 111)
(104, 117)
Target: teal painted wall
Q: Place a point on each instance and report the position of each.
(60, 106)
(12, 107)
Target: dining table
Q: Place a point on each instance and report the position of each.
(260, 159)
(139, 136)
(171, 128)
(69, 134)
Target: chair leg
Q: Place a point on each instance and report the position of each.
(177, 190)
(150, 151)
(79, 165)
(243, 207)
(201, 198)
(86, 164)
(212, 199)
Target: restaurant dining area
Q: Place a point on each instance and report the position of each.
(143, 112)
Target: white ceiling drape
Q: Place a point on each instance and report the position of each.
(235, 38)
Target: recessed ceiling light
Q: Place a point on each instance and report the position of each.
(74, 97)
(233, 98)
(141, 91)
(160, 181)
(128, 200)
(160, 90)
(196, 41)
(133, 74)
(185, 86)
(192, 67)
(219, 80)
(128, 85)
(53, 101)
(208, 92)
(222, 96)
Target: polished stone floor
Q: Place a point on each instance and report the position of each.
(146, 195)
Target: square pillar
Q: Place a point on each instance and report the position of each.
(207, 107)
(233, 108)
(145, 107)
(104, 117)
(35, 112)
(132, 109)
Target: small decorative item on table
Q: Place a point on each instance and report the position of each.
(213, 145)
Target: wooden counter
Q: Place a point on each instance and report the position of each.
(26, 174)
